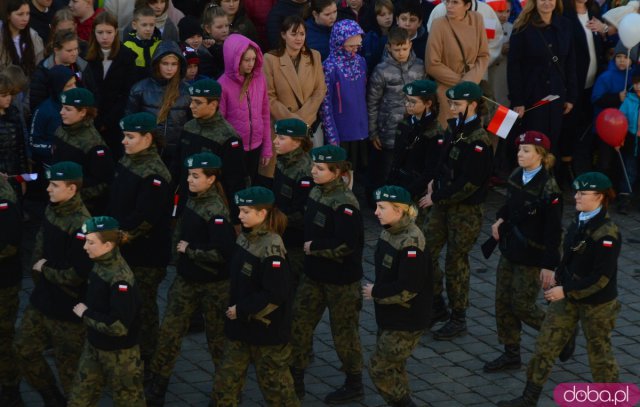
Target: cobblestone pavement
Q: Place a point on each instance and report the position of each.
(441, 373)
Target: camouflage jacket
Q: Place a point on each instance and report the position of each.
(404, 278)
(10, 236)
(113, 304)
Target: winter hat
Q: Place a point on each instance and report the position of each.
(64, 171)
(620, 49)
(393, 193)
(188, 27)
(191, 55)
(292, 128)
(254, 196)
(328, 154)
(203, 160)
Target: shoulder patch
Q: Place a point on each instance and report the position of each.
(100, 153)
(156, 182)
(607, 243)
(412, 254)
(123, 288)
(235, 144)
(4, 206)
(478, 148)
(348, 211)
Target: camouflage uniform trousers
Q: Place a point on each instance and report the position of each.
(184, 297)
(272, 370)
(295, 255)
(517, 289)
(344, 303)
(597, 323)
(36, 333)
(120, 370)
(457, 226)
(9, 304)
(148, 279)
(388, 362)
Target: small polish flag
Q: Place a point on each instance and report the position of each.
(100, 153)
(555, 201)
(440, 141)
(176, 199)
(235, 144)
(80, 236)
(123, 288)
(275, 264)
(412, 253)
(490, 27)
(607, 243)
(218, 221)
(156, 182)
(545, 100)
(502, 121)
(497, 5)
(305, 184)
(26, 177)
(348, 211)
(4, 206)
(478, 149)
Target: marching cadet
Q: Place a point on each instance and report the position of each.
(77, 140)
(60, 272)
(10, 238)
(585, 291)
(209, 131)
(419, 140)
(529, 230)
(457, 194)
(111, 355)
(258, 321)
(204, 242)
(334, 240)
(140, 201)
(402, 293)
(292, 183)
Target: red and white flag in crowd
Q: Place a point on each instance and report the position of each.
(490, 26)
(502, 121)
(545, 100)
(26, 177)
(497, 5)
(523, 3)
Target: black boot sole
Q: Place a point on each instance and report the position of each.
(508, 366)
(440, 337)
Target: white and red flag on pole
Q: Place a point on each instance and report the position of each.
(502, 121)
(544, 101)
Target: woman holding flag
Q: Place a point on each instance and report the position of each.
(542, 62)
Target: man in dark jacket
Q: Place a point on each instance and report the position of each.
(282, 9)
(42, 12)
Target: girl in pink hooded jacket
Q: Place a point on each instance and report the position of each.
(244, 101)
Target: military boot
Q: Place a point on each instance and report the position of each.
(10, 397)
(439, 312)
(155, 392)
(529, 397)
(352, 390)
(52, 397)
(298, 382)
(456, 326)
(569, 347)
(510, 359)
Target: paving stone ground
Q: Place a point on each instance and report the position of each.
(442, 374)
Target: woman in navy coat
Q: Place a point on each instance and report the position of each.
(542, 62)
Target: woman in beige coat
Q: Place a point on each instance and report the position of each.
(457, 50)
(294, 77)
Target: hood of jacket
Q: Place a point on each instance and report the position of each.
(233, 49)
(167, 48)
(341, 31)
(59, 75)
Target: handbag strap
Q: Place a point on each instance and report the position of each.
(554, 58)
(464, 57)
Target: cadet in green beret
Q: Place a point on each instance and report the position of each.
(528, 229)
(78, 140)
(60, 269)
(419, 141)
(141, 201)
(258, 324)
(402, 293)
(334, 240)
(10, 279)
(457, 193)
(584, 291)
(111, 313)
(203, 244)
(209, 131)
(292, 183)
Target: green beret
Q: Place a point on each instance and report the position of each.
(142, 122)
(292, 128)
(203, 160)
(64, 171)
(328, 154)
(423, 87)
(465, 91)
(254, 196)
(592, 181)
(206, 88)
(393, 193)
(78, 97)
(100, 224)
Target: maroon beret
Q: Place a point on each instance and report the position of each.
(535, 138)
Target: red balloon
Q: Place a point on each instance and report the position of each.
(612, 126)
